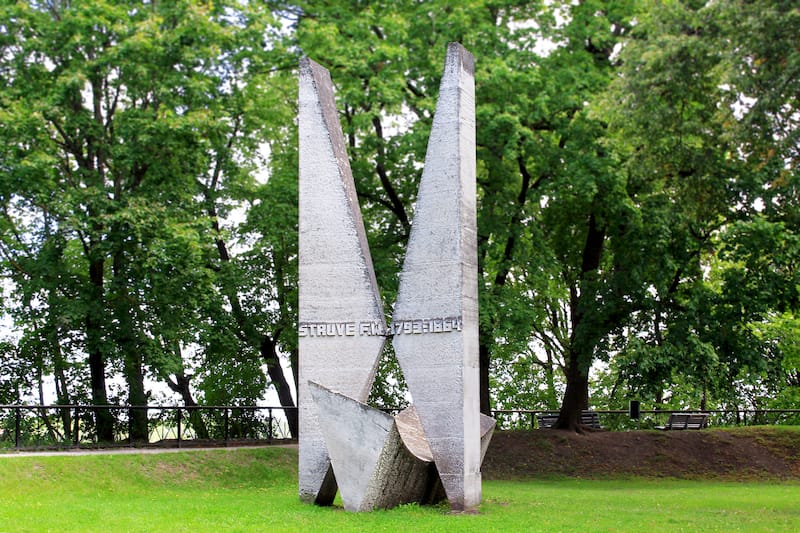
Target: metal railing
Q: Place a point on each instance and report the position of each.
(619, 419)
(59, 426)
(64, 426)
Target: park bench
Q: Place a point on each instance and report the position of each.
(588, 418)
(685, 421)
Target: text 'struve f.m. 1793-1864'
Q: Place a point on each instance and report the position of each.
(377, 328)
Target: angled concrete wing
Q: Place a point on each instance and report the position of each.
(435, 319)
(373, 467)
(487, 430)
(341, 322)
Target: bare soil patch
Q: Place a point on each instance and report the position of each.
(762, 453)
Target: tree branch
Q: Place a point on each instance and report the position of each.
(396, 204)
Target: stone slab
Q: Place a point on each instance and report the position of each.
(372, 466)
(337, 283)
(439, 279)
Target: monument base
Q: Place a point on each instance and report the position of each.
(379, 461)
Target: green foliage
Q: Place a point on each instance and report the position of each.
(637, 185)
(13, 382)
(389, 389)
(712, 255)
(128, 130)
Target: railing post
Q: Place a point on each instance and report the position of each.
(130, 425)
(226, 416)
(17, 424)
(269, 427)
(179, 427)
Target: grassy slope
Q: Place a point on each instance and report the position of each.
(255, 490)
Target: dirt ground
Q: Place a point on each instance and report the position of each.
(737, 454)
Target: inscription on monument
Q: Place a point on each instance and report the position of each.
(370, 328)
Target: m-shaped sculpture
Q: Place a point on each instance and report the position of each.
(433, 449)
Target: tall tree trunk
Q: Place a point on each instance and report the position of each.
(53, 336)
(294, 361)
(294, 353)
(704, 397)
(181, 386)
(270, 355)
(576, 396)
(550, 378)
(583, 336)
(51, 432)
(137, 396)
(133, 363)
(486, 335)
(104, 420)
(62, 392)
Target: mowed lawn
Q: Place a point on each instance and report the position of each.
(256, 490)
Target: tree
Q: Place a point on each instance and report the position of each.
(717, 191)
(115, 118)
(637, 182)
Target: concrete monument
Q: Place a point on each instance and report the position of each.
(380, 461)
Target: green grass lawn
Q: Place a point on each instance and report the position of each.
(256, 490)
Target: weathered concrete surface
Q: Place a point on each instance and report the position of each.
(439, 279)
(337, 282)
(373, 468)
(410, 428)
(413, 435)
(487, 430)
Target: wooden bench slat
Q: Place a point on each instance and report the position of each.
(588, 418)
(685, 421)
